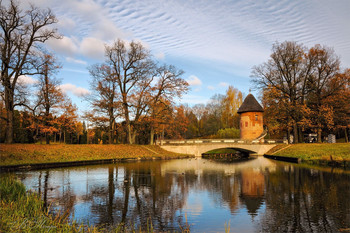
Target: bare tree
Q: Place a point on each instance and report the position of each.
(287, 72)
(105, 98)
(131, 66)
(20, 36)
(50, 95)
(323, 83)
(169, 84)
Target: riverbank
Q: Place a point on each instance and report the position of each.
(23, 211)
(33, 155)
(325, 154)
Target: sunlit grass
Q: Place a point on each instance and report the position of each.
(315, 151)
(22, 211)
(31, 153)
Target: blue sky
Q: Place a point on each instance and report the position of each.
(216, 42)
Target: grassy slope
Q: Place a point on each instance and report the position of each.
(31, 153)
(24, 212)
(327, 152)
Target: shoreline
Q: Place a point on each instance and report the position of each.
(39, 166)
(33, 156)
(321, 154)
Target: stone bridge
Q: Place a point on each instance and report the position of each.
(199, 146)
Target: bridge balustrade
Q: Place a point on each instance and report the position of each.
(213, 141)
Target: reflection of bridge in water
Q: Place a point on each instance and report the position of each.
(199, 146)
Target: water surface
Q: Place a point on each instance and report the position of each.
(258, 195)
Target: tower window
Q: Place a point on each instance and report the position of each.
(256, 117)
(246, 124)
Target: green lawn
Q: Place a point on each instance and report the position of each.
(315, 151)
(16, 154)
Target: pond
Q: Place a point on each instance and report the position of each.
(258, 195)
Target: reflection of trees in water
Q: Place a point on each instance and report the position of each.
(306, 200)
(246, 187)
(140, 195)
(223, 188)
(296, 199)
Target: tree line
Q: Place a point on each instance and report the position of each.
(304, 90)
(133, 97)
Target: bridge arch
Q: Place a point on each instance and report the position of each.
(198, 149)
(242, 150)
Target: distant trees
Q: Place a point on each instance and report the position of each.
(133, 87)
(49, 95)
(20, 36)
(104, 98)
(296, 83)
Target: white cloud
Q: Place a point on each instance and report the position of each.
(70, 59)
(66, 45)
(194, 81)
(105, 29)
(27, 80)
(78, 91)
(66, 25)
(92, 47)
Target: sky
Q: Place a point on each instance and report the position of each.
(216, 42)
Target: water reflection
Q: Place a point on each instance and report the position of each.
(257, 195)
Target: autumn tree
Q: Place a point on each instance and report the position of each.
(131, 66)
(20, 36)
(301, 88)
(286, 71)
(67, 120)
(178, 127)
(340, 103)
(322, 83)
(169, 84)
(105, 98)
(230, 104)
(49, 96)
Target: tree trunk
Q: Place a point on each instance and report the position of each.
(295, 132)
(9, 127)
(111, 133)
(47, 136)
(9, 114)
(127, 123)
(319, 135)
(134, 133)
(129, 137)
(346, 135)
(300, 134)
(151, 141)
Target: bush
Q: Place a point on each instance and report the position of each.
(228, 133)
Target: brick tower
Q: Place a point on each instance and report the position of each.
(251, 118)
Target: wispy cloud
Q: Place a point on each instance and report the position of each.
(27, 80)
(77, 91)
(70, 59)
(194, 81)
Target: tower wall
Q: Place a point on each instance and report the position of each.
(251, 125)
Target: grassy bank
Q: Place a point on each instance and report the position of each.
(16, 154)
(24, 212)
(321, 154)
(21, 211)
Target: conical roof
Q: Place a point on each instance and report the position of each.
(250, 104)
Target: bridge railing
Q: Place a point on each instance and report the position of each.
(212, 141)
